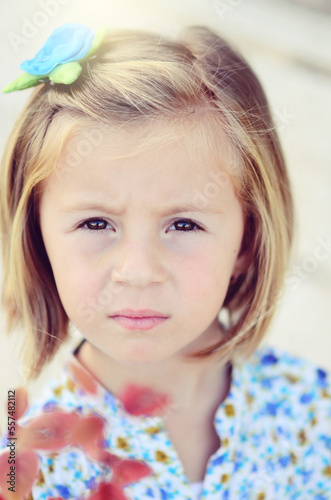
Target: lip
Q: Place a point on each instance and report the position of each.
(144, 323)
(143, 313)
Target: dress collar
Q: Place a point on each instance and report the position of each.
(227, 416)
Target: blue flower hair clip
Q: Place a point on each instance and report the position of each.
(60, 57)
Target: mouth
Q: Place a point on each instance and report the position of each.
(143, 313)
(143, 323)
(145, 319)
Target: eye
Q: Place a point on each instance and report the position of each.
(187, 226)
(97, 225)
(94, 225)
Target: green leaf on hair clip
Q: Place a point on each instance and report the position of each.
(97, 41)
(65, 73)
(60, 47)
(23, 82)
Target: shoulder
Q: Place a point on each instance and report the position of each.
(281, 381)
(287, 397)
(274, 359)
(282, 372)
(285, 420)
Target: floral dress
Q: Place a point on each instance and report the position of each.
(274, 429)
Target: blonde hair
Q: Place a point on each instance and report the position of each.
(137, 77)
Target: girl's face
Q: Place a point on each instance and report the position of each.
(161, 231)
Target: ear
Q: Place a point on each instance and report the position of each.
(241, 265)
(244, 257)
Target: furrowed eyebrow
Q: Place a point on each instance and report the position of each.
(190, 208)
(187, 207)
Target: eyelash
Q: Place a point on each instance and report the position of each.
(84, 227)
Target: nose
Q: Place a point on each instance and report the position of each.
(138, 264)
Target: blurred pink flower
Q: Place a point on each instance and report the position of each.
(139, 400)
(56, 429)
(26, 470)
(50, 431)
(83, 378)
(129, 471)
(107, 491)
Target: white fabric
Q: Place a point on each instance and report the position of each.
(197, 489)
(274, 428)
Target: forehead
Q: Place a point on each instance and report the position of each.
(196, 138)
(157, 167)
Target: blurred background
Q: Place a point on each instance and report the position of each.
(288, 45)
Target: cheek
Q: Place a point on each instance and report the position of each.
(204, 274)
(76, 279)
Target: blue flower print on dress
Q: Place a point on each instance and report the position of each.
(60, 58)
(69, 42)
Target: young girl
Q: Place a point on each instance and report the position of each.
(145, 200)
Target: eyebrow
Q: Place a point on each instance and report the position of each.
(187, 207)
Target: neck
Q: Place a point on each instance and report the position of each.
(189, 383)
